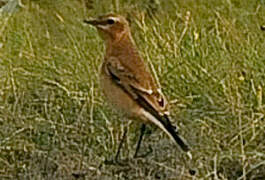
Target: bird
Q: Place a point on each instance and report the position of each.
(127, 81)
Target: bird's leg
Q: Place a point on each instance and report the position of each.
(142, 131)
(120, 145)
(115, 161)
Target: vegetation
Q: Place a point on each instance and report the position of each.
(208, 56)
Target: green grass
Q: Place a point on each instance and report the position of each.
(208, 56)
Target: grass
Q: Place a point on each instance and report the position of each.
(208, 56)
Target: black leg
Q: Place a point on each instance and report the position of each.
(120, 145)
(140, 140)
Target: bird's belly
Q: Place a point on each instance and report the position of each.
(117, 97)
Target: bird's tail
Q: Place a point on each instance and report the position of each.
(163, 123)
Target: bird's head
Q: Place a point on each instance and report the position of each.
(111, 27)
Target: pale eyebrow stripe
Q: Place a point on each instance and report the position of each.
(113, 18)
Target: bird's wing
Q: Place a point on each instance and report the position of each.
(151, 100)
(139, 88)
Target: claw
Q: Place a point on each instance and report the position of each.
(150, 150)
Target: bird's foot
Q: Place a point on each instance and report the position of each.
(114, 161)
(150, 150)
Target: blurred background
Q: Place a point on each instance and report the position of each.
(208, 56)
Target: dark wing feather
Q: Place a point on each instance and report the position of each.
(118, 74)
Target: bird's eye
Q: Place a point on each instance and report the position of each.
(110, 21)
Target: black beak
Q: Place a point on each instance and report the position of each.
(92, 22)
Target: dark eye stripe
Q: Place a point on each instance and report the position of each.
(110, 21)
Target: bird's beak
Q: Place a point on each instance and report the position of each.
(93, 22)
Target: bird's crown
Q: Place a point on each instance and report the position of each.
(112, 25)
(108, 21)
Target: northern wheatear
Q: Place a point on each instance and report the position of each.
(126, 80)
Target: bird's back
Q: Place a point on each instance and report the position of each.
(127, 54)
